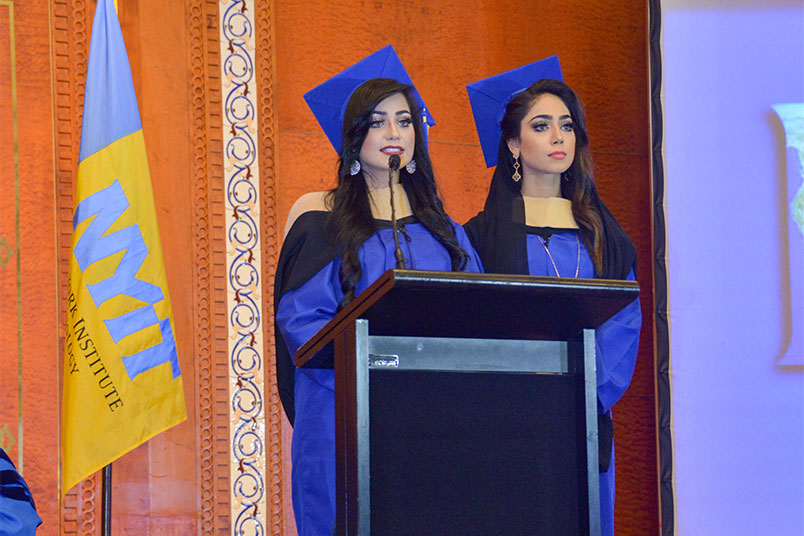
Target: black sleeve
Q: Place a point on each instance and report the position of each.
(619, 254)
(305, 251)
(476, 231)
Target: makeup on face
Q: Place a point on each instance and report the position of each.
(546, 143)
(390, 132)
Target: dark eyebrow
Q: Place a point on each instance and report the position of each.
(400, 112)
(548, 116)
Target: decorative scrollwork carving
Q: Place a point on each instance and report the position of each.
(241, 176)
(203, 270)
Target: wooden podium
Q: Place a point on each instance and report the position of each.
(466, 404)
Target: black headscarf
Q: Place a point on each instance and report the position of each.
(498, 233)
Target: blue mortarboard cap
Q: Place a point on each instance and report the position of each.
(328, 101)
(490, 96)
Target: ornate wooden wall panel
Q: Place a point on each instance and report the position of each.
(206, 217)
(211, 299)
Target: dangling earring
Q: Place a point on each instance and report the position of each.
(354, 169)
(411, 167)
(566, 176)
(516, 176)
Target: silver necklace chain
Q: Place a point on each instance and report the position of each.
(578, 263)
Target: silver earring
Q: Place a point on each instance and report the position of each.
(354, 169)
(411, 166)
(566, 176)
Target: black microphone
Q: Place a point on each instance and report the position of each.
(393, 173)
(394, 162)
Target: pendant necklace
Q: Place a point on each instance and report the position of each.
(578, 263)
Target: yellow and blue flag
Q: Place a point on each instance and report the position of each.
(122, 383)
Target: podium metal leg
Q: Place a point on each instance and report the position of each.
(352, 437)
(590, 393)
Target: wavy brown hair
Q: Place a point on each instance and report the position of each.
(577, 183)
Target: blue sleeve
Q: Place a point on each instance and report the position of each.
(305, 310)
(302, 312)
(617, 343)
(474, 264)
(18, 515)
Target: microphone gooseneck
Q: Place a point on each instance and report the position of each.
(393, 175)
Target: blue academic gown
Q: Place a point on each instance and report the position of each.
(18, 515)
(617, 340)
(299, 315)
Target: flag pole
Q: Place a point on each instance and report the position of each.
(106, 503)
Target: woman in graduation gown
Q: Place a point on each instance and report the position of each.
(543, 216)
(337, 243)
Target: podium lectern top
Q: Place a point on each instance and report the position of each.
(475, 306)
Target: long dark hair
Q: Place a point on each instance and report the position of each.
(350, 221)
(577, 183)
